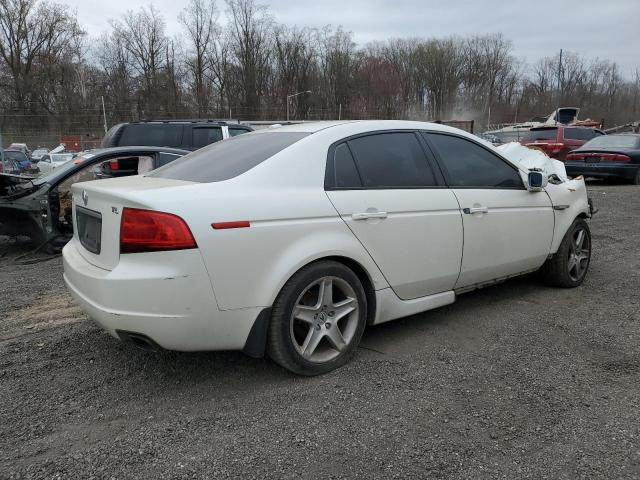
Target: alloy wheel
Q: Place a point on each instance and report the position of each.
(324, 319)
(579, 254)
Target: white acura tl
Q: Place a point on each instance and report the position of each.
(292, 240)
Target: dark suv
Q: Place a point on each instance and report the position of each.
(185, 134)
(557, 141)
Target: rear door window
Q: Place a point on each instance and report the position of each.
(203, 136)
(152, 134)
(576, 134)
(468, 165)
(392, 160)
(224, 160)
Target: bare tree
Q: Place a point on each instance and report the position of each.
(250, 35)
(143, 36)
(199, 18)
(32, 33)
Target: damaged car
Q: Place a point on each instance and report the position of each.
(40, 208)
(290, 241)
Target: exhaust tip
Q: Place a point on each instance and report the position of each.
(139, 340)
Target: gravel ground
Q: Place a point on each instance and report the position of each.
(514, 381)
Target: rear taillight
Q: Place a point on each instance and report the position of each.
(575, 156)
(619, 158)
(554, 147)
(114, 165)
(150, 231)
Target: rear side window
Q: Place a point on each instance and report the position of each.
(229, 158)
(341, 170)
(203, 136)
(391, 160)
(152, 134)
(469, 165)
(541, 134)
(579, 133)
(233, 131)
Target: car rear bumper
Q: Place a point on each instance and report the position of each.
(601, 170)
(165, 296)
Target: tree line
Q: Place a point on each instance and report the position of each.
(234, 60)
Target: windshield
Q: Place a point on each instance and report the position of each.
(60, 171)
(613, 141)
(541, 134)
(228, 158)
(15, 155)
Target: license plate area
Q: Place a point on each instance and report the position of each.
(89, 224)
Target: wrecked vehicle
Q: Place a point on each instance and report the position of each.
(319, 230)
(40, 208)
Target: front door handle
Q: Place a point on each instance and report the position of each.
(471, 210)
(368, 215)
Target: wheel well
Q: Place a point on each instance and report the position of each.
(257, 339)
(367, 284)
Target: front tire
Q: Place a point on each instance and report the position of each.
(318, 319)
(569, 266)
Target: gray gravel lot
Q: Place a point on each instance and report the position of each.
(514, 381)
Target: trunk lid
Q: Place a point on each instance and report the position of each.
(97, 211)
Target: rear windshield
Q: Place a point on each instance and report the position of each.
(613, 141)
(228, 158)
(541, 134)
(152, 134)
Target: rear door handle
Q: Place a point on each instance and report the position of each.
(367, 215)
(471, 210)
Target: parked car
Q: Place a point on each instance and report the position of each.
(21, 147)
(185, 134)
(41, 207)
(559, 140)
(9, 166)
(610, 156)
(294, 239)
(38, 153)
(20, 159)
(51, 161)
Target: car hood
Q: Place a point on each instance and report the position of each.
(13, 186)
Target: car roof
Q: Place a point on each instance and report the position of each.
(362, 125)
(134, 149)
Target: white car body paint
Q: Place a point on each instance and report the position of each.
(208, 298)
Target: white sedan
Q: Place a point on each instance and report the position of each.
(51, 161)
(290, 241)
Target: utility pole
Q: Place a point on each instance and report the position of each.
(104, 115)
(559, 85)
(340, 112)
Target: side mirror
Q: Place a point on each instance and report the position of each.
(536, 181)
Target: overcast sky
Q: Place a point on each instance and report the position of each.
(608, 29)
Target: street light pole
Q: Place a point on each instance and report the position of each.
(294, 95)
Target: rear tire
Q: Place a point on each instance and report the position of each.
(636, 179)
(318, 319)
(569, 266)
